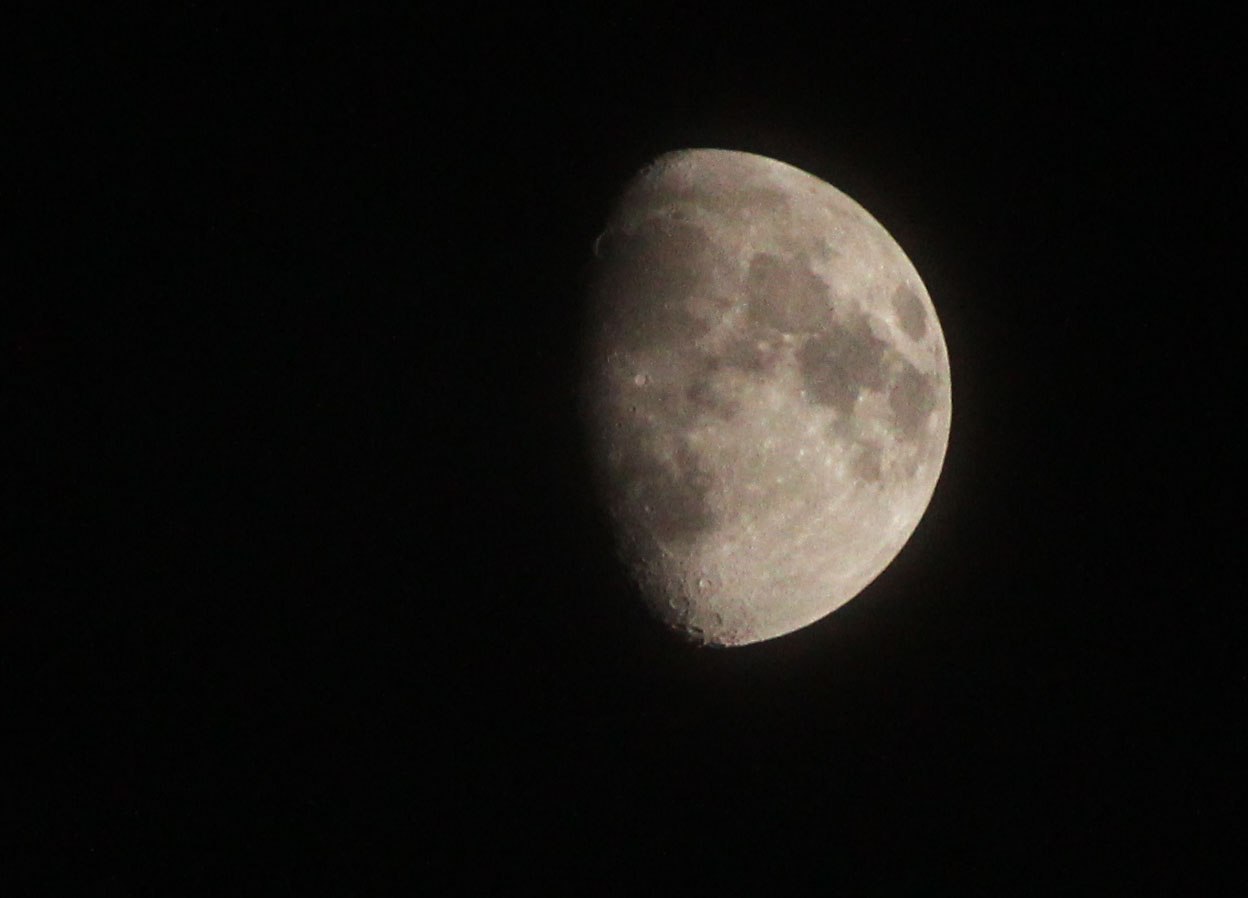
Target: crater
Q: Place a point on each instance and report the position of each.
(838, 365)
(787, 294)
(911, 315)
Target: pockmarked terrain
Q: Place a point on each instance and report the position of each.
(767, 393)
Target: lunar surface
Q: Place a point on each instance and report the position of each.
(767, 393)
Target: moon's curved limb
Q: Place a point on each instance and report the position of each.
(768, 393)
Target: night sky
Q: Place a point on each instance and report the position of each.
(302, 572)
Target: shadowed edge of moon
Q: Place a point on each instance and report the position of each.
(646, 276)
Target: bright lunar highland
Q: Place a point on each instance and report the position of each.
(766, 393)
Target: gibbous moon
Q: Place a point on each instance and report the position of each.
(767, 394)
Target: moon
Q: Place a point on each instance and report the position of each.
(766, 393)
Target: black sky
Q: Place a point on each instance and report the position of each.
(300, 543)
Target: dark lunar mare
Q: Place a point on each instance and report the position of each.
(910, 313)
(640, 285)
(787, 295)
(912, 399)
(643, 282)
(669, 496)
(839, 364)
